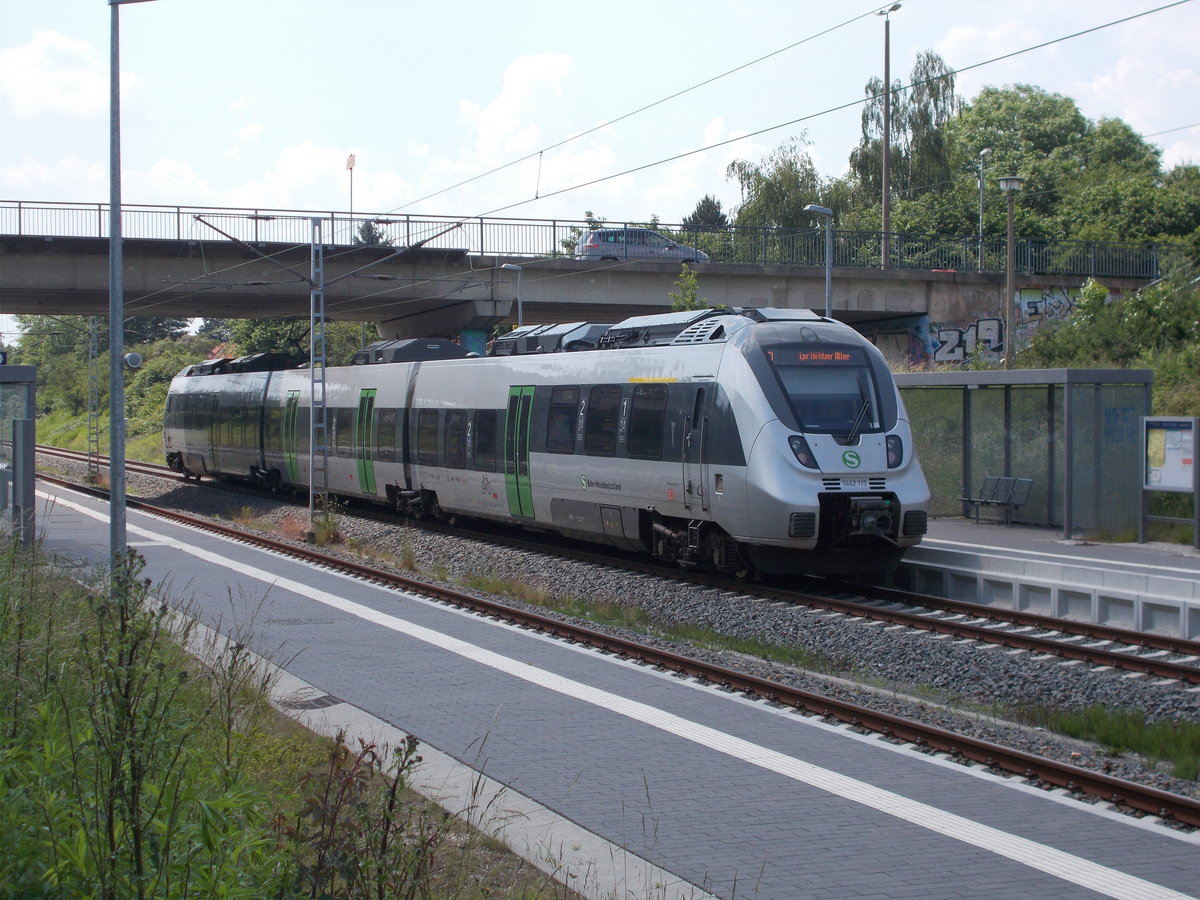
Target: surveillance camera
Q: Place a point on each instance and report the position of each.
(133, 360)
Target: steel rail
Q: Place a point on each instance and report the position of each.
(1146, 639)
(1074, 779)
(1033, 643)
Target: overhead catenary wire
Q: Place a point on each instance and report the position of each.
(574, 137)
(824, 112)
(539, 195)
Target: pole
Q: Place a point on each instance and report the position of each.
(826, 213)
(520, 311)
(829, 266)
(116, 311)
(886, 249)
(983, 154)
(1010, 265)
(513, 267)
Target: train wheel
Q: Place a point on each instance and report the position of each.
(729, 560)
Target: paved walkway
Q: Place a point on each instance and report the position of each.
(637, 783)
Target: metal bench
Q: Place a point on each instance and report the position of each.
(1006, 492)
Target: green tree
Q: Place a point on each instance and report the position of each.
(571, 241)
(146, 329)
(919, 156)
(216, 330)
(369, 235)
(342, 339)
(776, 190)
(708, 215)
(1083, 180)
(687, 294)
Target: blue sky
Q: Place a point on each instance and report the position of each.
(258, 103)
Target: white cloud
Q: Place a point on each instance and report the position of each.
(55, 74)
(500, 128)
(65, 180)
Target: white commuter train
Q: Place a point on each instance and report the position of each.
(753, 440)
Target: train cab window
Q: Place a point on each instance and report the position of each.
(600, 427)
(560, 420)
(385, 440)
(427, 437)
(647, 415)
(342, 421)
(484, 440)
(829, 387)
(456, 448)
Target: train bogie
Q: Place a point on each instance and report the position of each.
(746, 440)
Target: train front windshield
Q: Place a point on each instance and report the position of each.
(829, 387)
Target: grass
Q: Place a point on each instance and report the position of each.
(130, 768)
(636, 619)
(1126, 731)
(1120, 731)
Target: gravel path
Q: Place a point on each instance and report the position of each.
(954, 685)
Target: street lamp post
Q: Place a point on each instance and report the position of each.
(886, 244)
(828, 214)
(116, 303)
(983, 154)
(512, 267)
(1010, 185)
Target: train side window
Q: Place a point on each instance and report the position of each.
(343, 431)
(427, 437)
(385, 440)
(485, 440)
(560, 420)
(698, 409)
(647, 416)
(456, 449)
(600, 430)
(271, 437)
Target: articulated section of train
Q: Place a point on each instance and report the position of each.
(748, 440)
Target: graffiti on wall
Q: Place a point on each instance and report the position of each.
(917, 339)
(956, 344)
(1037, 305)
(984, 337)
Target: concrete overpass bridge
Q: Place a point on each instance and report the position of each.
(446, 275)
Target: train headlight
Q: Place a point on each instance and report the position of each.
(895, 451)
(803, 454)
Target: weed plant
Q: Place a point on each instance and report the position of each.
(130, 769)
(1127, 731)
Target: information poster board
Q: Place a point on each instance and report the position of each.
(1170, 454)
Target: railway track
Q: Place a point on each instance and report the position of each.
(1159, 656)
(1142, 799)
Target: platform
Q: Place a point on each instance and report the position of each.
(1146, 587)
(635, 782)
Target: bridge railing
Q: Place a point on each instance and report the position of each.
(557, 238)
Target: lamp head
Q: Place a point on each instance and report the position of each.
(1011, 184)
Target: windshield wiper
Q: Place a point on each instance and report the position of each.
(858, 420)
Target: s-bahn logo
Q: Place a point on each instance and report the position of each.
(851, 459)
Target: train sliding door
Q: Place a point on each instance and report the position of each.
(364, 444)
(695, 494)
(516, 451)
